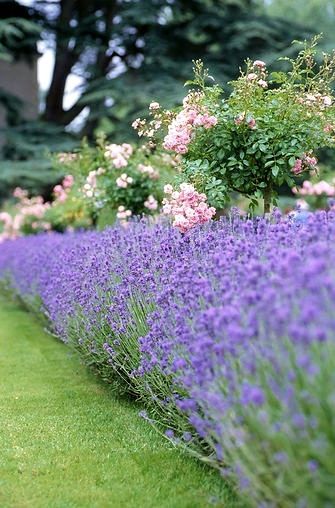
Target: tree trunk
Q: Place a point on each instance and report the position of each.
(65, 58)
(54, 100)
(267, 194)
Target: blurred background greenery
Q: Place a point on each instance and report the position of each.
(101, 62)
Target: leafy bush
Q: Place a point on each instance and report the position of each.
(119, 180)
(25, 159)
(36, 176)
(226, 333)
(30, 215)
(261, 136)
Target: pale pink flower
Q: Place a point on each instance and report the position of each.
(59, 193)
(124, 180)
(305, 163)
(127, 149)
(327, 101)
(259, 63)
(149, 171)
(297, 168)
(67, 157)
(5, 218)
(205, 121)
(20, 193)
(311, 161)
(187, 207)
(154, 105)
(118, 154)
(167, 209)
(92, 179)
(262, 83)
(181, 129)
(239, 118)
(68, 181)
(252, 123)
(120, 182)
(123, 215)
(186, 187)
(151, 203)
(252, 76)
(120, 162)
(136, 123)
(168, 189)
(317, 189)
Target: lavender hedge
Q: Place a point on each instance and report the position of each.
(225, 333)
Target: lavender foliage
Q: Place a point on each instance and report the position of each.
(227, 332)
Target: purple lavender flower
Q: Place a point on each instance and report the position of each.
(226, 331)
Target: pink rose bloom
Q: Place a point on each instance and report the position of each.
(182, 126)
(312, 161)
(188, 208)
(92, 179)
(180, 222)
(167, 209)
(120, 162)
(120, 182)
(259, 63)
(20, 193)
(262, 83)
(252, 76)
(154, 105)
(127, 149)
(239, 118)
(297, 168)
(68, 181)
(151, 203)
(252, 123)
(168, 189)
(6, 219)
(58, 189)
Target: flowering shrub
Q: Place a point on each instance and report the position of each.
(261, 136)
(225, 332)
(187, 207)
(316, 195)
(120, 179)
(29, 216)
(33, 215)
(68, 210)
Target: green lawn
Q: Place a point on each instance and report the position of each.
(67, 441)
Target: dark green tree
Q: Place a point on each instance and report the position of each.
(128, 52)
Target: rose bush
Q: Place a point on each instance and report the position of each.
(264, 134)
(119, 181)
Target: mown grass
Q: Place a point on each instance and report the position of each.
(67, 441)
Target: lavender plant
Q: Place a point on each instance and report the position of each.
(233, 354)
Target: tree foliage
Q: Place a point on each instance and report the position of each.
(126, 52)
(319, 15)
